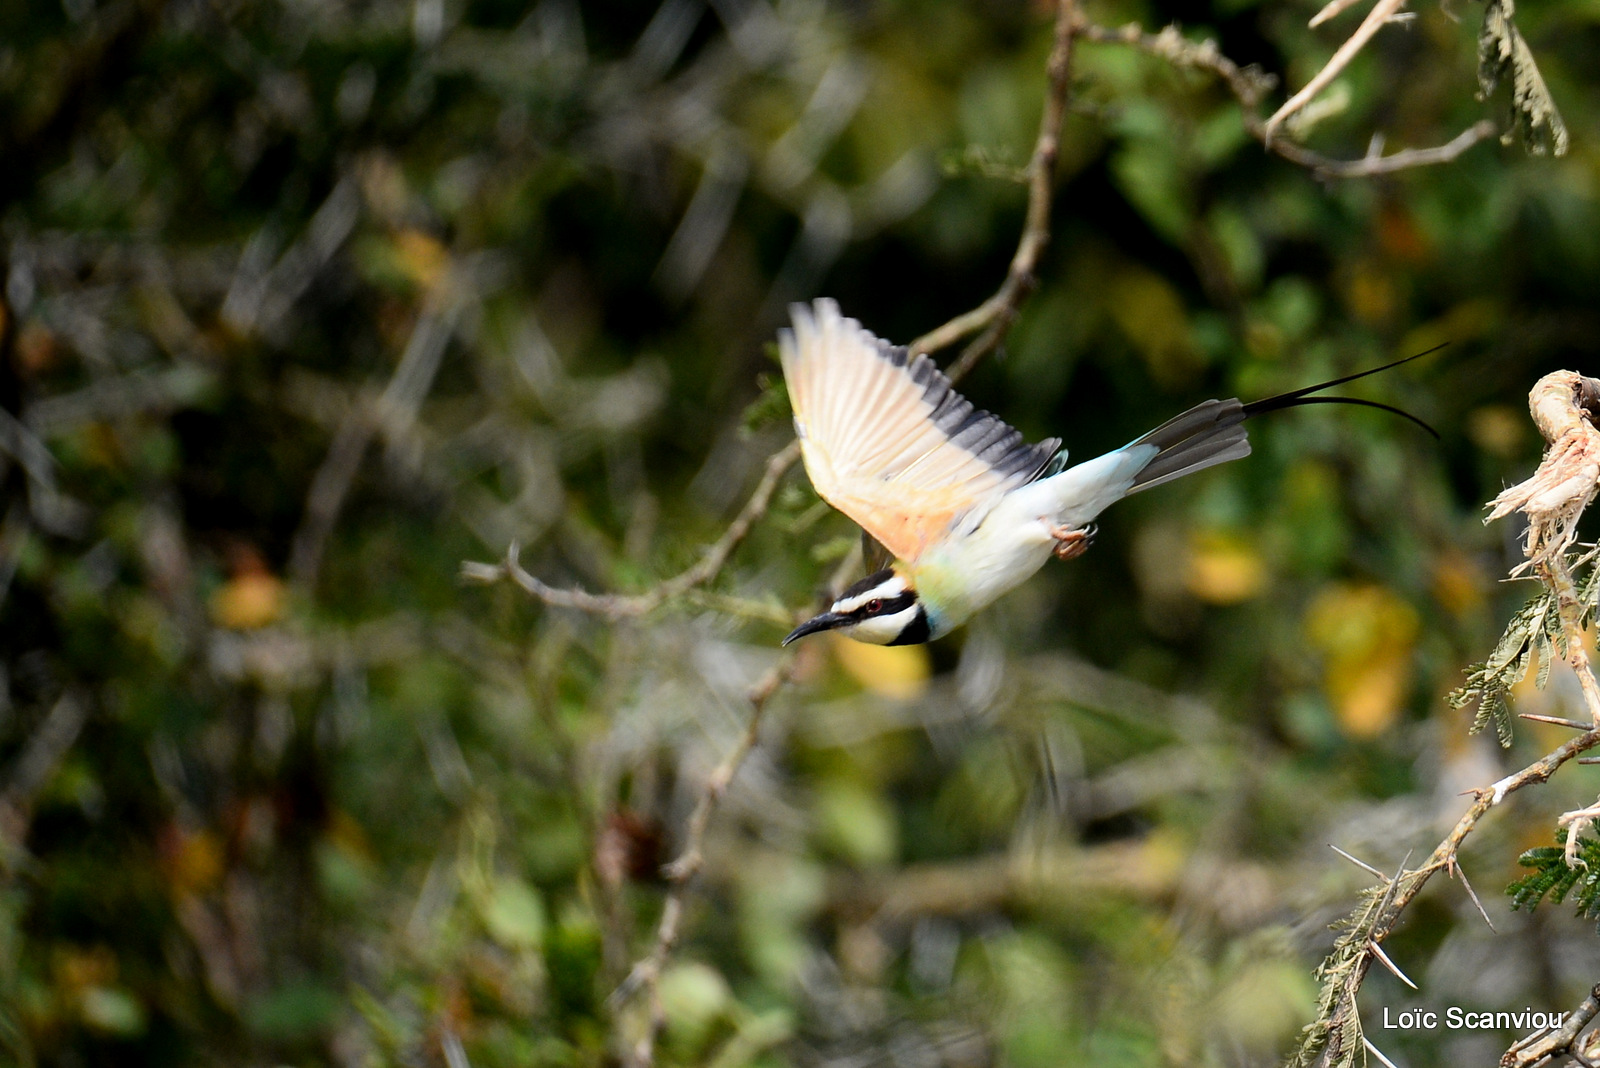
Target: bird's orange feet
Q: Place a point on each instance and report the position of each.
(1072, 542)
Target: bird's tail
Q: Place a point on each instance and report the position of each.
(1213, 432)
(1204, 436)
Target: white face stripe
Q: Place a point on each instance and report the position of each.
(881, 630)
(887, 590)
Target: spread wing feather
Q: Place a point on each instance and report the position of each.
(887, 440)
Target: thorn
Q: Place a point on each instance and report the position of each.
(1457, 869)
(1376, 1052)
(1559, 722)
(1358, 863)
(1378, 952)
(1394, 885)
(1589, 760)
(1530, 1039)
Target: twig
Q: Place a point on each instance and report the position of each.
(1380, 14)
(1332, 10)
(644, 978)
(1557, 1043)
(1250, 85)
(390, 414)
(994, 316)
(615, 606)
(1374, 163)
(39, 759)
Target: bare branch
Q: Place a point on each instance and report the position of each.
(1332, 10)
(994, 316)
(623, 605)
(644, 978)
(1381, 12)
(1250, 85)
(1570, 724)
(40, 757)
(1558, 1043)
(1375, 163)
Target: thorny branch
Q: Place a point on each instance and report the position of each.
(1564, 405)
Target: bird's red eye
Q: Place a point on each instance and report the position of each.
(874, 606)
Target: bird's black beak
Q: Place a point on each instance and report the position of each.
(826, 621)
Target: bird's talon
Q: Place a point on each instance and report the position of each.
(1073, 542)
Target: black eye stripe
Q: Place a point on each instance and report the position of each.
(888, 606)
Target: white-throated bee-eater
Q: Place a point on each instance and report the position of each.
(966, 508)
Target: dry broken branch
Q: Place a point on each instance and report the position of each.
(1565, 407)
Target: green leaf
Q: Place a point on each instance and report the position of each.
(1551, 877)
(514, 915)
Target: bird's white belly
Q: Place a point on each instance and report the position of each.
(967, 573)
(973, 567)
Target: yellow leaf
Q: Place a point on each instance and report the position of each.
(1224, 569)
(1458, 583)
(1366, 635)
(1151, 313)
(1498, 429)
(193, 861)
(248, 600)
(421, 256)
(1371, 294)
(899, 671)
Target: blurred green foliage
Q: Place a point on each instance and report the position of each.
(307, 303)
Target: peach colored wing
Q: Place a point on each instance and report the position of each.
(885, 438)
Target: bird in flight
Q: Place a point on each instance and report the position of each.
(958, 507)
